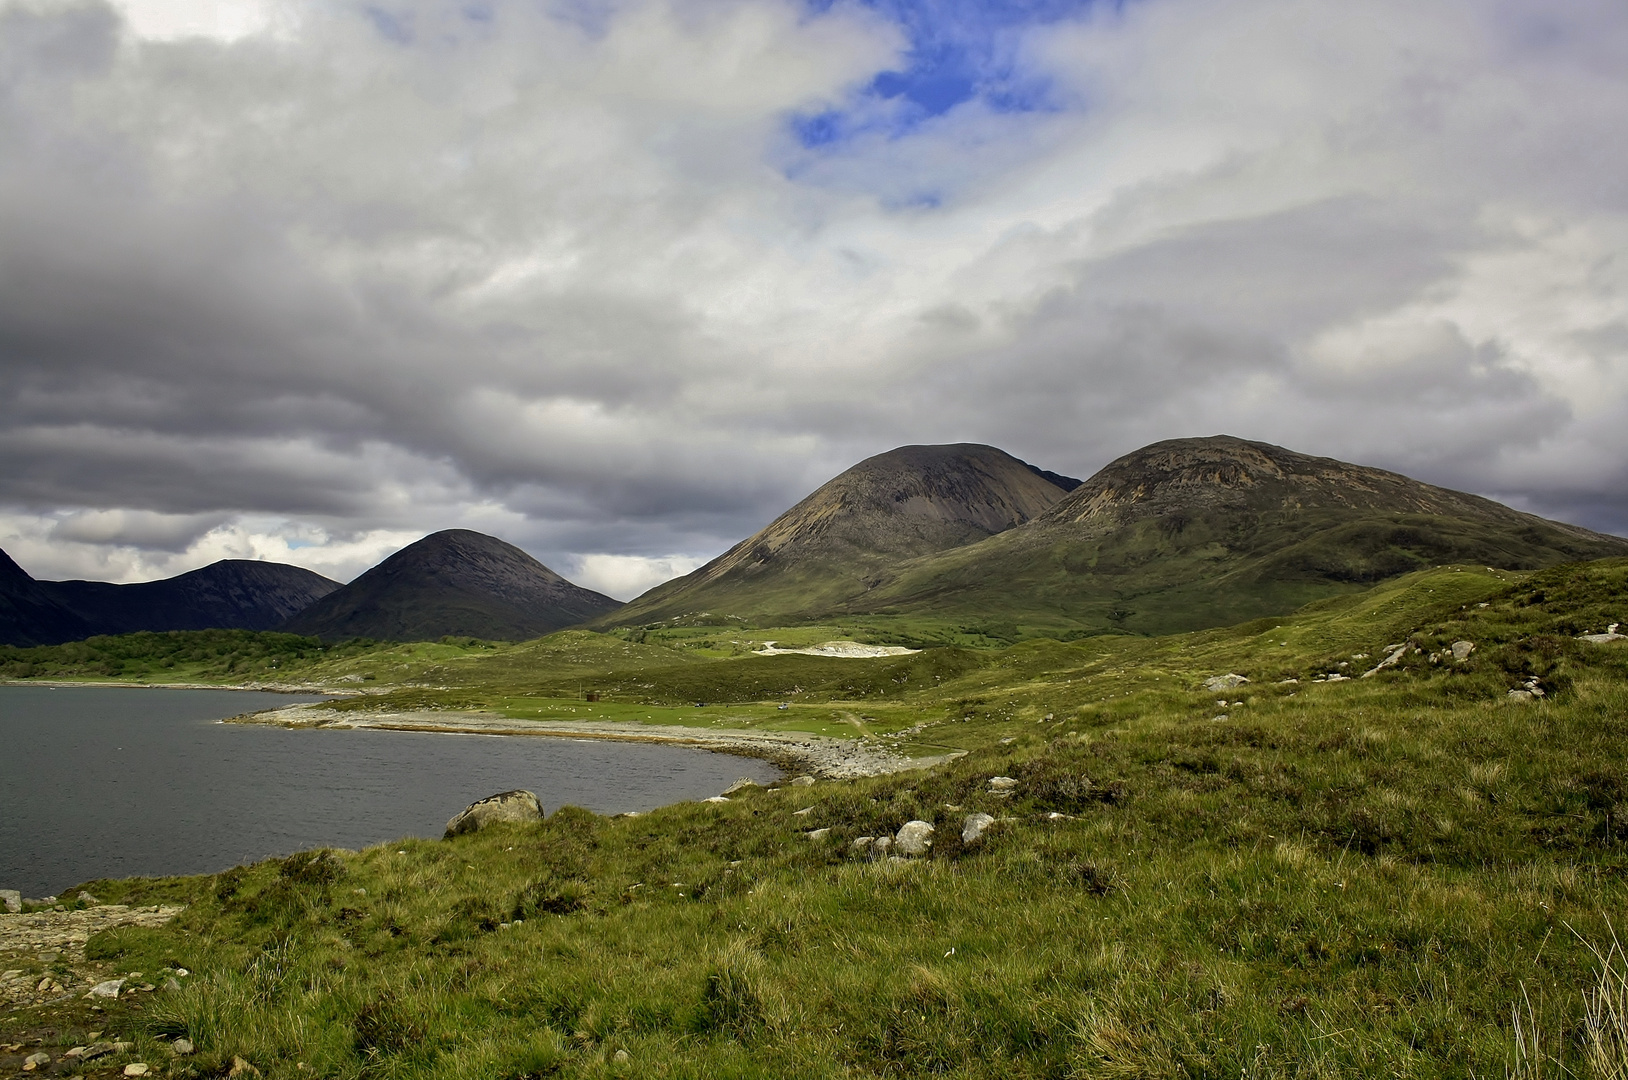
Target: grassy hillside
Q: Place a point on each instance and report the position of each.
(1143, 578)
(1309, 874)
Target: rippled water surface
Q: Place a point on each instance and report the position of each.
(111, 782)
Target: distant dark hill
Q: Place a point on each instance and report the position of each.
(832, 546)
(1204, 532)
(31, 616)
(455, 582)
(233, 594)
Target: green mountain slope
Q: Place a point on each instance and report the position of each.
(1192, 533)
(833, 546)
(455, 582)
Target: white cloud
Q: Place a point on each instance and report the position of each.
(626, 576)
(335, 274)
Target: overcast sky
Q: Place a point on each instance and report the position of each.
(620, 280)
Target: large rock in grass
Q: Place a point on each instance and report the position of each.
(914, 838)
(519, 806)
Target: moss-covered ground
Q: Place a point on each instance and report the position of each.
(1311, 873)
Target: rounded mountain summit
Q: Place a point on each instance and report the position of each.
(840, 541)
(456, 582)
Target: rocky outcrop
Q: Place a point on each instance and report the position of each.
(517, 806)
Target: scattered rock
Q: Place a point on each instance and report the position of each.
(182, 1047)
(914, 837)
(882, 846)
(862, 845)
(171, 984)
(974, 827)
(620, 1056)
(1010, 739)
(1002, 783)
(818, 834)
(136, 1068)
(34, 1061)
(804, 812)
(1394, 654)
(1609, 635)
(1521, 696)
(242, 1068)
(715, 799)
(740, 785)
(1220, 716)
(519, 806)
(1462, 650)
(87, 899)
(98, 1049)
(803, 781)
(1216, 683)
(108, 989)
(12, 899)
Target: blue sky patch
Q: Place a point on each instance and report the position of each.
(958, 51)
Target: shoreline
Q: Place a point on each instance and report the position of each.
(259, 688)
(816, 755)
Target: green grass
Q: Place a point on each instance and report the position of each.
(1352, 878)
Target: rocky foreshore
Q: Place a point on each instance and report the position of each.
(817, 755)
(42, 953)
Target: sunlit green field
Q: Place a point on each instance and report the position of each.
(1311, 873)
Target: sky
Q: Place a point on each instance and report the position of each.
(618, 281)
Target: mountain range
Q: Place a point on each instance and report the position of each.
(233, 593)
(1178, 535)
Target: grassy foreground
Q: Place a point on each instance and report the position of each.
(1412, 874)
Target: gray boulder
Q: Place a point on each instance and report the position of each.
(1462, 650)
(974, 827)
(914, 838)
(517, 806)
(12, 899)
(1216, 683)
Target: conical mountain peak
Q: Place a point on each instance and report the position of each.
(456, 582)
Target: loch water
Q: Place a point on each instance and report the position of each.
(112, 782)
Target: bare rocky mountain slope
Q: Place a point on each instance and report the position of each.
(458, 583)
(835, 544)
